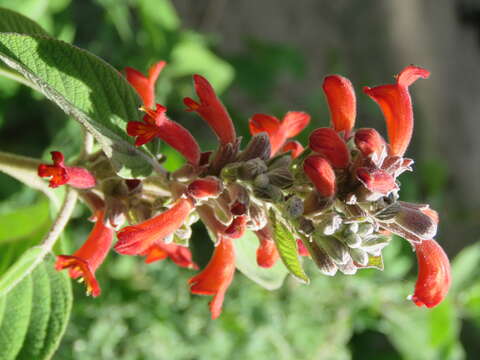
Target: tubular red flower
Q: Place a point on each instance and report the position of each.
(145, 86)
(328, 143)
(320, 172)
(157, 124)
(294, 146)
(341, 102)
(279, 131)
(205, 188)
(376, 180)
(217, 275)
(180, 255)
(211, 110)
(237, 228)
(137, 239)
(434, 276)
(267, 253)
(396, 105)
(369, 142)
(61, 174)
(86, 260)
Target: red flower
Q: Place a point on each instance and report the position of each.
(145, 86)
(180, 255)
(211, 110)
(341, 102)
(267, 253)
(86, 260)
(396, 105)
(434, 276)
(157, 124)
(369, 142)
(376, 180)
(237, 228)
(61, 174)
(320, 172)
(279, 131)
(328, 143)
(217, 275)
(137, 239)
(294, 146)
(205, 188)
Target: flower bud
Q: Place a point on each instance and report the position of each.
(279, 161)
(321, 174)
(280, 177)
(205, 188)
(359, 256)
(334, 248)
(258, 217)
(258, 147)
(329, 144)
(348, 268)
(416, 222)
(322, 260)
(269, 193)
(294, 207)
(252, 168)
(369, 142)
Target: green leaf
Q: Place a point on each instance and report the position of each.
(34, 315)
(86, 88)
(375, 262)
(11, 21)
(23, 222)
(287, 248)
(245, 251)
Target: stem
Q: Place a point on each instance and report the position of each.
(50, 238)
(15, 76)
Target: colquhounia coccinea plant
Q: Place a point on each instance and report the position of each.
(335, 201)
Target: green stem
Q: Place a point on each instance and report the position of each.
(15, 76)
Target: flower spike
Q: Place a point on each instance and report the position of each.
(396, 105)
(137, 239)
(279, 131)
(217, 276)
(61, 174)
(341, 102)
(434, 276)
(145, 86)
(328, 143)
(211, 110)
(86, 260)
(157, 124)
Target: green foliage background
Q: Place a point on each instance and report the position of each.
(147, 312)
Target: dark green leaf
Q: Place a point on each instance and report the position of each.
(34, 314)
(245, 250)
(287, 248)
(11, 21)
(86, 88)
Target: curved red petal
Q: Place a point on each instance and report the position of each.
(267, 253)
(328, 143)
(320, 172)
(217, 276)
(272, 126)
(376, 180)
(395, 102)
(341, 102)
(369, 142)
(294, 146)
(434, 277)
(80, 178)
(79, 268)
(136, 239)
(212, 110)
(143, 131)
(204, 188)
(294, 122)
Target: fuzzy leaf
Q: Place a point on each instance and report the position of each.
(34, 314)
(287, 248)
(11, 21)
(245, 251)
(86, 88)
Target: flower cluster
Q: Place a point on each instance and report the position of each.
(337, 198)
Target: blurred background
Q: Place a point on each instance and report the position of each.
(270, 56)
